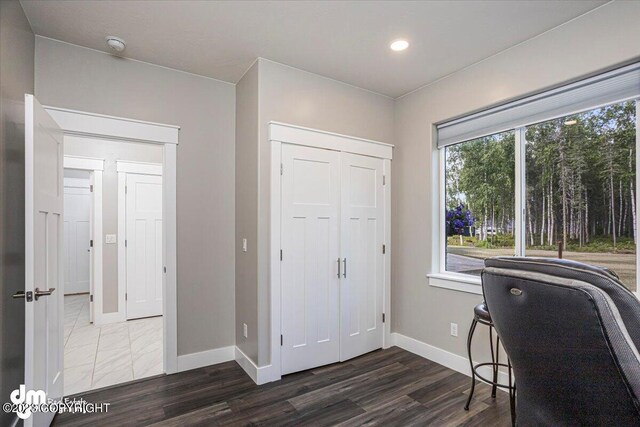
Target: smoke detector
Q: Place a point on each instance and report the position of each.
(116, 43)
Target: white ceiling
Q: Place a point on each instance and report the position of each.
(347, 41)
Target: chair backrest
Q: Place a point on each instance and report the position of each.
(603, 278)
(574, 361)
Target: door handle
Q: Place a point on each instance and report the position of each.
(344, 273)
(338, 269)
(38, 293)
(21, 294)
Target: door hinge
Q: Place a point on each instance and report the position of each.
(280, 254)
(91, 188)
(126, 296)
(125, 189)
(125, 243)
(383, 318)
(165, 270)
(91, 298)
(281, 169)
(281, 340)
(384, 249)
(384, 180)
(91, 243)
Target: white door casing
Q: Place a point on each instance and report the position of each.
(143, 245)
(44, 231)
(94, 167)
(310, 258)
(362, 237)
(92, 125)
(77, 235)
(93, 226)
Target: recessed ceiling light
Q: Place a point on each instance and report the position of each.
(570, 122)
(399, 45)
(116, 43)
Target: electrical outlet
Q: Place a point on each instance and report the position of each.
(244, 330)
(244, 245)
(454, 329)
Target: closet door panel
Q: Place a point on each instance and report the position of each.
(310, 250)
(362, 234)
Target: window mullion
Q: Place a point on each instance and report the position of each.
(637, 196)
(442, 232)
(521, 193)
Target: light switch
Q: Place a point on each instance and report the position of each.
(244, 245)
(110, 238)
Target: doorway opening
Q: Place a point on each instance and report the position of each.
(113, 262)
(49, 132)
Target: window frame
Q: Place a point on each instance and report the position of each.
(439, 276)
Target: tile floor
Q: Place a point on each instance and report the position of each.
(96, 357)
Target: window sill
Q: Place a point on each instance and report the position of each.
(456, 282)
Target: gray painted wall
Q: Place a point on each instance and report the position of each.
(247, 211)
(111, 151)
(69, 76)
(16, 79)
(596, 41)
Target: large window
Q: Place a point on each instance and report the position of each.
(480, 201)
(580, 184)
(575, 196)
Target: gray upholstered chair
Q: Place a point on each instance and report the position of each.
(572, 333)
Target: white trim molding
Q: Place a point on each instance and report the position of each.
(386, 336)
(95, 167)
(206, 358)
(84, 163)
(125, 166)
(91, 125)
(292, 134)
(443, 357)
(259, 375)
(456, 282)
(102, 126)
(122, 250)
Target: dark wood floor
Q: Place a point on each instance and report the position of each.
(387, 387)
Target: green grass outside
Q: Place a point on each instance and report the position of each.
(598, 244)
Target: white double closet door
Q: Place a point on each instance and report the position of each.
(332, 273)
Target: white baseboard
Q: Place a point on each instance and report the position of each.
(205, 358)
(442, 357)
(259, 374)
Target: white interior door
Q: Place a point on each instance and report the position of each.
(77, 235)
(44, 230)
(362, 237)
(143, 245)
(310, 254)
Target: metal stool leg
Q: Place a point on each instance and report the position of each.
(496, 367)
(494, 357)
(473, 373)
(512, 396)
